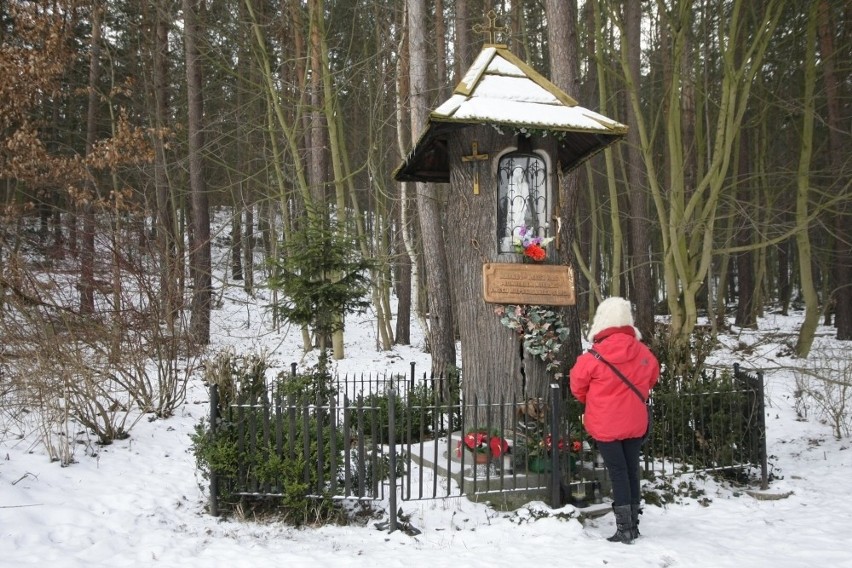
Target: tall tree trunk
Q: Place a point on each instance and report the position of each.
(319, 137)
(565, 74)
(744, 187)
(87, 248)
(463, 51)
(494, 367)
(642, 292)
(166, 232)
(745, 316)
(809, 293)
(440, 333)
(200, 241)
(408, 281)
(842, 292)
(616, 262)
(785, 288)
(402, 277)
(441, 50)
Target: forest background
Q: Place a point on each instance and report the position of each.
(124, 123)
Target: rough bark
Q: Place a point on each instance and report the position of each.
(642, 292)
(803, 241)
(842, 292)
(87, 245)
(200, 241)
(464, 53)
(565, 74)
(490, 356)
(440, 333)
(166, 232)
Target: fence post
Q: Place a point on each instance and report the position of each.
(214, 482)
(555, 421)
(756, 386)
(761, 404)
(392, 458)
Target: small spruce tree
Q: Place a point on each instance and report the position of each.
(323, 279)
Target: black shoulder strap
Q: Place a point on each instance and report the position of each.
(621, 376)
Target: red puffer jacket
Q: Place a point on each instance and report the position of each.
(613, 411)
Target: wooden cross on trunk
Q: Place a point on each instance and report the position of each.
(475, 156)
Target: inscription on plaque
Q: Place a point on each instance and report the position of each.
(531, 284)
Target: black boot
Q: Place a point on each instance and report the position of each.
(635, 511)
(623, 524)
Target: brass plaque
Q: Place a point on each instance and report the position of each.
(531, 284)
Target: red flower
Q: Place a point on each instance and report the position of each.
(482, 442)
(548, 443)
(576, 445)
(535, 252)
(499, 446)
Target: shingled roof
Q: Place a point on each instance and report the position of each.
(501, 90)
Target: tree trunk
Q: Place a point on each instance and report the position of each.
(464, 53)
(319, 137)
(565, 74)
(87, 247)
(745, 316)
(642, 292)
(612, 189)
(441, 50)
(491, 356)
(785, 288)
(408, 277)
(237, 242)
(842, 292)
(745, 190)
(809, 325)
(440, 332)
(200, 242)
(402, 269)
(166, 232)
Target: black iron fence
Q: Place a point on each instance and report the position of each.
(398, 437)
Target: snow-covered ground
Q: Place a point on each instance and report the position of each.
(140, 501)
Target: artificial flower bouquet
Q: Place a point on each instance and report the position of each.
(530, 245)
(483, 441)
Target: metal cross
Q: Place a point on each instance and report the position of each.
(492, 28)
(475, 156)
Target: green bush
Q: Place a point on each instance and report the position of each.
(703, 418)
(413, 414)
(271, 465)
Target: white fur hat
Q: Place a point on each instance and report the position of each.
(612, 312)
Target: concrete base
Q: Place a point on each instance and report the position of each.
(499, 479)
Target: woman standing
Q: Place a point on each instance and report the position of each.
(614, 416)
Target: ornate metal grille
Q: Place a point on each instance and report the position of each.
(523, 197)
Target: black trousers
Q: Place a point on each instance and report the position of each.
(621, 459)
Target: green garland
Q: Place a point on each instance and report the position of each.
(540, 328)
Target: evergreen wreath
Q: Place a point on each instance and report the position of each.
(540, 328)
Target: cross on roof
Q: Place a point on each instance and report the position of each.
(491, 29)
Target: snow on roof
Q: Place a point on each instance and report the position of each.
(502, 90)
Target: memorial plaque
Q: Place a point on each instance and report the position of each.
(531, 284)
